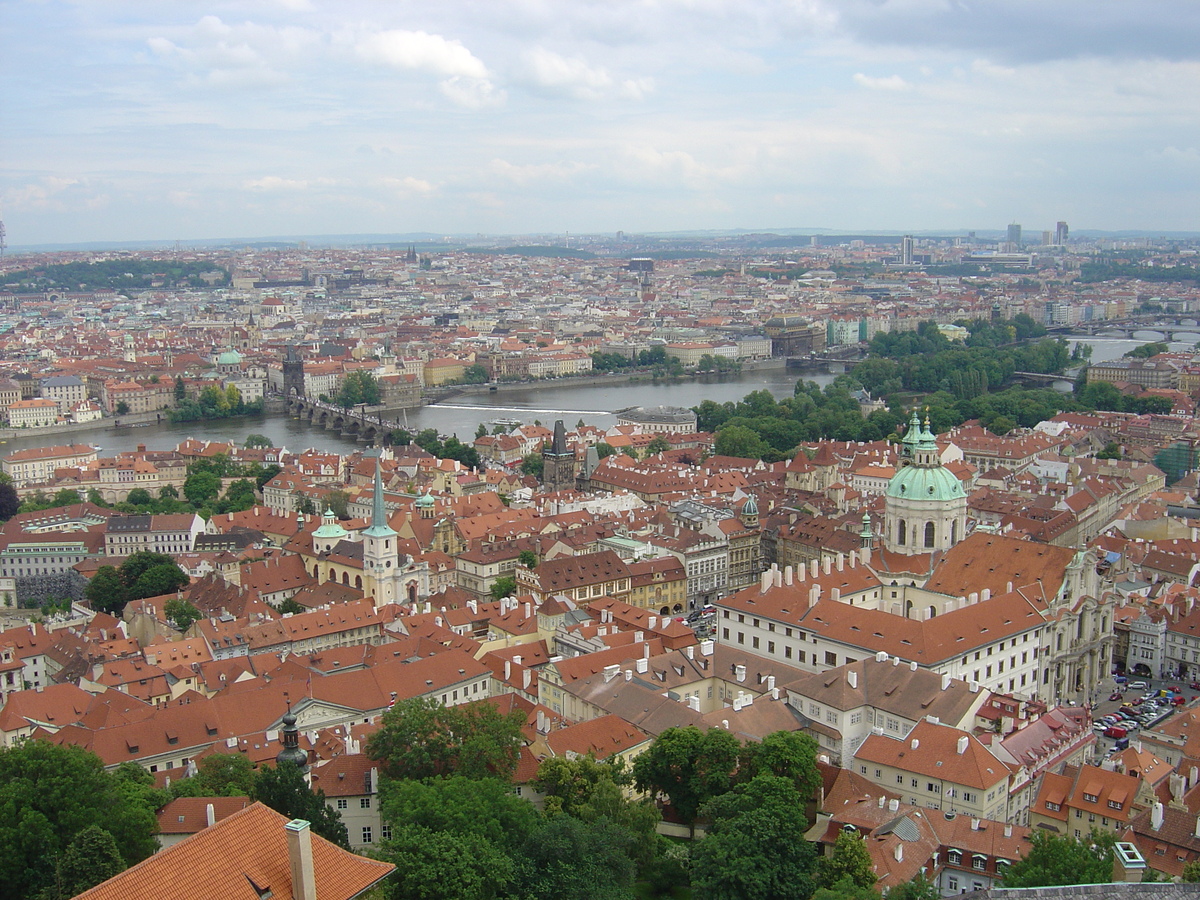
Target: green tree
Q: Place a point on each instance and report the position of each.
(122, 408)
(1148, 350)
(483, 807)
(475, 374)
(481, 431)
(658, 444)
(420, 738)
(528, 559)
(90, 858)
(107, 591)
(567, 857)
(257, 441)
(432, 865)
(180, 389)
(49, 794)
(358, 387)
(284, 789)
(9, 501)
(266, 473)
(146, 574)
(66, 497)
(755, 848)
(1191, 871)
(689, 766)
(848, 860)
(1054, 859)
(740, 441)
(218, 775)
(591, 790)
(531, 464)
(846, 889)
(603, 450)
(786, 754)
(918, 888)
(181, 613)
(201, 487)
(139, 497)
(290, 606)
(504, 586)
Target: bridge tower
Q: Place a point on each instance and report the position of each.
(293, 373)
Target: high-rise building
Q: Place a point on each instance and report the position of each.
(906, 250)
(1014, 234)
(1060, 234)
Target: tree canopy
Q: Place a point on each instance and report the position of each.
(689, 766)
(420, 738)
(1054, 859)
(49, 795)
(284, 789)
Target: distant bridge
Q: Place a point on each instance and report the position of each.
(1168, 326)
(367, 424)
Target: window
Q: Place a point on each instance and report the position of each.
(741, 637)
(367, 836)
(754, 643)
(1090, 798)
(364, 803)
(855, 718)
(954, 857)
(385, 832)
(342, 803)
(1114, 804)
(1053, 807)
(979, 862)
(830, 658)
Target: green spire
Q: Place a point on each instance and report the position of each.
(379, 526)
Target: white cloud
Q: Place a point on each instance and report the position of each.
(537, 172)
(45, 193)
(247, 54)
(274, 183)
(575, 78)
(410, 186)
(472, 93)
(422, 52)
(891, 83)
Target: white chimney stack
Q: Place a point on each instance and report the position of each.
(915, 743)
(643, 666)
(852, 679)
(210, 815)
(899, 853)
(893, 805)
(787, 576)
(300, 856)
(946, 682)
(1156, 816)
(962, 745)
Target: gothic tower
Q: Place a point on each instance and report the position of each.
(558, 462)
(293, 373)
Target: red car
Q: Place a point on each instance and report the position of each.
(1114, 696)
(1195, 685)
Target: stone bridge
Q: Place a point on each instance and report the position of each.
(367, 424)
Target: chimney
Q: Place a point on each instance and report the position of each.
(300, 855)
(1128, 864)
(827, 565)
(629, 674)
(899, 853)
(835, 594)
(1156, 816)
(638, 637)
(210, 815)
(985, 595)
(973, 598)
(764, 583)
(962, 745)
(801, 571)
(787, 576)
(527, 677)
(690, 651)
(507, 670)
(610, 672)
(1008, 587)
(974, 824)
(653, 622)
(841, 562)
(893, 805)
(541, 721)
(1008, 831)
(973, 687)
(852, 679)
(740, 673)
(770, 682)
(706, 648)
(694, 703)
(853, 558)
(881, 656)
(882, 801)
(915, 743)
(946, 682)
(643, 666)
(912, 665)
(814, 594)
(895, 660)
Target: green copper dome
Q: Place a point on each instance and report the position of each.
(925, 483)
(425, 501)
(229, 358)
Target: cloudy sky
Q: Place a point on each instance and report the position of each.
(198, 119)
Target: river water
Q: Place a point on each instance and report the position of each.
(595, 404)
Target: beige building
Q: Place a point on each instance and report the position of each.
(37, 464)
(35, 413)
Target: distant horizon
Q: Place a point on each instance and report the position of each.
(463, 241)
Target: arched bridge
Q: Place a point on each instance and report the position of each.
(366, 423)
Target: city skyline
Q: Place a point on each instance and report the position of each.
(178, 121)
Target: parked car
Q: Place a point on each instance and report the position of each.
(1115, 731)
(1137, 685)
(1115, 696)
(1194, 685)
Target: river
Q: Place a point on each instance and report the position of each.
(460, 415)
(545, 403)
